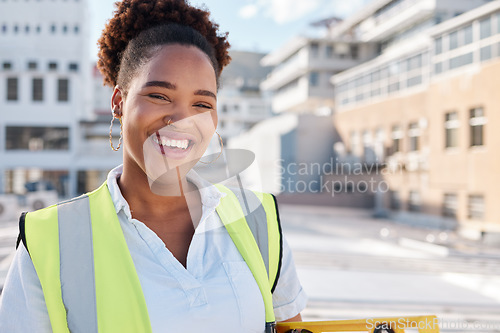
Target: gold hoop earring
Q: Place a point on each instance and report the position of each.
(221, 147)
(111, 135)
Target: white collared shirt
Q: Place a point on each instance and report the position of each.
(216, 292)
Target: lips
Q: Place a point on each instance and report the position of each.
(171, 144)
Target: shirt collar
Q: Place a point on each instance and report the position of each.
(210, 195)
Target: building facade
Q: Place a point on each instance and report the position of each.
(425, 111)
(43, 78)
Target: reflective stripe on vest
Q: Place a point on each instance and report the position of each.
(80, 242)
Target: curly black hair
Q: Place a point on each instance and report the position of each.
(138, 26)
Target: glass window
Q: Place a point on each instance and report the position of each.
(354, 51)
(27, 29)
(451, 125)
(63, 90)
(314, 79)
(4, 28)
(32, 65)
(414, 201)
(73, 67)
(476, 207)
(476, 122)
(450, 205)
(7, 65)
(52, 28)
(485, 28)
(468, 37)
(453, 38)
(16, 29)
(52, 66)
(37, 89)
(38, 29)
(76, 29)
(12, 89)
(329, 51)
(37, 138)
(438, 68)
(461, 60)
(413, 81)
(413, 134)
(397, 135)
(314, 50)
(485, 53)
(65, 29)
(438, 45)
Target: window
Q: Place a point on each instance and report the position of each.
(27, 29)
(485, 28)
(65, 29)
(438, 45)
(16, 29)
(314, 79)
(38, 29)
(76, 29)
(52, 66)
(476, 207)
(438, 68)
(414, 201)
(63, 90)
(7, 65)
(468, 37)
(37, 91)
(461, 60)
(477, 122)
(73, 67)
(451, 125)
(52, 28)
(395, 200)
(37, 138)
(314, 50)
(354, 51)
(12, 89)
(397, 135)
(450, 205)
(485, 53)
(224, 108)
(453, 40)
(32, 65)
(4, 28)
(329, 51)
(413, 134)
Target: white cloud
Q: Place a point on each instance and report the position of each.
(248, 11)
(286, 11)
(343, 8)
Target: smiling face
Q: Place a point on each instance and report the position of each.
(169, 113)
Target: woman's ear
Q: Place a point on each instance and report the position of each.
(117, 100)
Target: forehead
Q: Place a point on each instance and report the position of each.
(180, 62)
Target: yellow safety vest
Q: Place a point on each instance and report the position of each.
(87, 274)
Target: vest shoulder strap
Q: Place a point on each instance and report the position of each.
(252, 221)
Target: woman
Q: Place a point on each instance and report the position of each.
(156, 247)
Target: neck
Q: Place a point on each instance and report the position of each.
(164, 195)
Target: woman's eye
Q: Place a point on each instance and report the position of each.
(205, 106)
(158, 97)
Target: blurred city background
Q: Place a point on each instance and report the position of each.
(374, 124)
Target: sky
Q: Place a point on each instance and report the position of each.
(253, 25)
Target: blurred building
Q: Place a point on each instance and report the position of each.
(302, 68)
(424, 110)
(240, 102)
(44, 76)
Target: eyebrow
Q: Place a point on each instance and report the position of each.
(171, 86)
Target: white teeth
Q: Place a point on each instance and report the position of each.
(183, 144)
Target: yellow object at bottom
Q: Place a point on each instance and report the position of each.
(424, 324)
